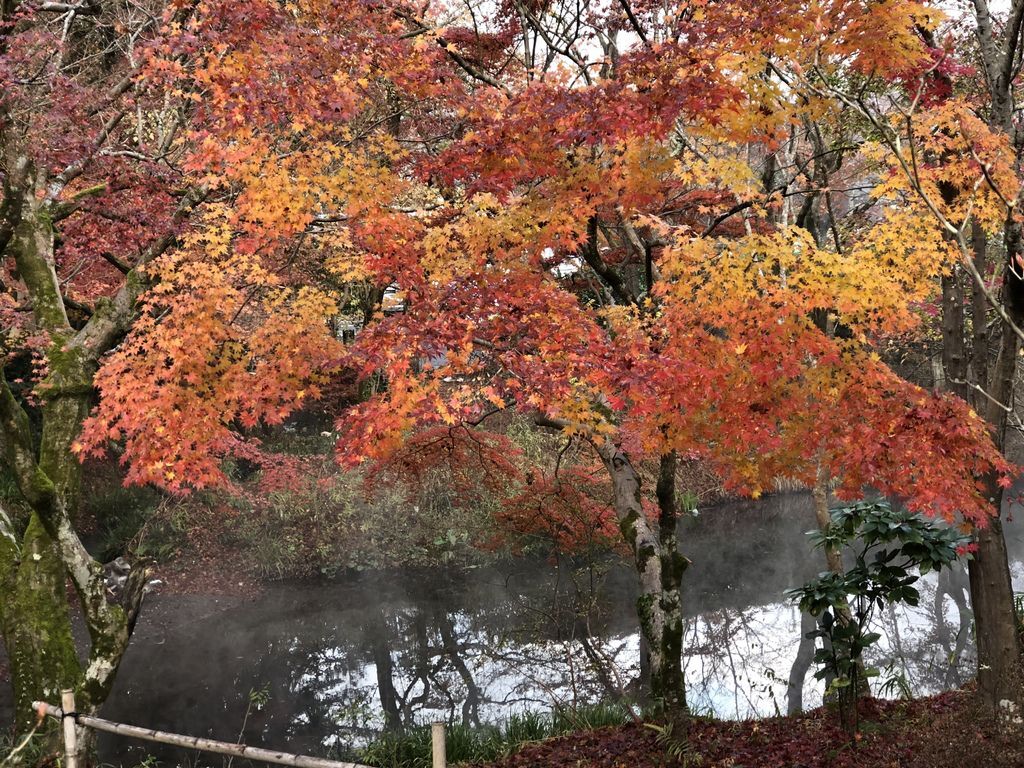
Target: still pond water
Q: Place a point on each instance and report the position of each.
(340, 661)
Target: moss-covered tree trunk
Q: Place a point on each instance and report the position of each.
(659, 567)
(35, 622)
(673, 565)
(34, 616)
(39, 189)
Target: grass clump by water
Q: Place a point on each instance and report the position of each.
(468, 744)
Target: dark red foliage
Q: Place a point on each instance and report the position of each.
(572, 509)
(478, 464)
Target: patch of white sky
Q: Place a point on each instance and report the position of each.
(483, 15)
(569, 24)
(965, 9)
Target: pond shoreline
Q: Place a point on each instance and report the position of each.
(195, 573)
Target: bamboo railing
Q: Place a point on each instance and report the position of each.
(72, 718)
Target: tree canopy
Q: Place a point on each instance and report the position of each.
(612, 220)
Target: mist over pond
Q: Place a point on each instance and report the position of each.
(341, 661)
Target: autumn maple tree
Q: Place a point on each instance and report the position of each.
(948, 152)
(647, 230)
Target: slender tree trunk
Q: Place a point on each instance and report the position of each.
(833, 557)
(847, 696)
(979, 308)
(999, 658)
(801, 664)
(598, 664)
(999, 646)
(954, 582)
(673, 565)
(381, 648)
(954, 357)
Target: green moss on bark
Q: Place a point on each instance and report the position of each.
(33, 253)
(37, 626)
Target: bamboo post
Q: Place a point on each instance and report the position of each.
(439, 753)
(67, 704)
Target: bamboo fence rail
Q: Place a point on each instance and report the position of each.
(72, 719)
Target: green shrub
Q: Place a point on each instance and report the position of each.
(888, 546)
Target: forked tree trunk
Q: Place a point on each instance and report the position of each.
(659, 567)
(34, 572)
(34, 615)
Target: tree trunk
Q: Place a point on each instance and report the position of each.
(35, 623)
(999, 661)
(660, 572)
(801, 664)
(385, 668)
(953, 582)
(999, 646)
(673, 565)
(833, 557)
(847, 696)
(42, 628)
(37, 626)
(47, 474)
(990, 586)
